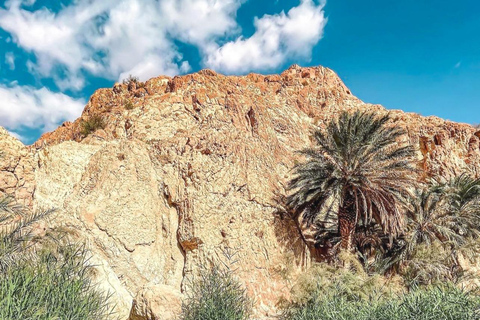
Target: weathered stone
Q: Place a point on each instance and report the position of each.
(193, 173)
(156, 302)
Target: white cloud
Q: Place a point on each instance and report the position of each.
(10, 60)
(200, 21)
(114, 38)
(277, 38)
(135, 40)
(27, 107)
(111, 38)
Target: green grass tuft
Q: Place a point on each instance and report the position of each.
(92, 124)
(348, 296)
(128, 104)
(216, 296)
(57, 285)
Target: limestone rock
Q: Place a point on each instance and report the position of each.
(17, 167)
(156, 302)
(194, 171)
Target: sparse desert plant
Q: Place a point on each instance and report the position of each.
(133, 82)
(92, 124)
(131, 79)
(128, 104)
(216, 295)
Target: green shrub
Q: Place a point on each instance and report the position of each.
(131, 79)
(442, 303)
(43, 284)
(358, 297)
(216, 296)
(16, 232)
(56, 285)
(92, 124)
(128, 104)
(326, 279)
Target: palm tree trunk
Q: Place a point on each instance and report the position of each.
(347, 220)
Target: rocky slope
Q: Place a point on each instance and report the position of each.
(187, 173)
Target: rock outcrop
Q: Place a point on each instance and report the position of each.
(187, 172)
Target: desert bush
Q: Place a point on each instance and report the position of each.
(350, 296)
(131, 79)
(216, 295)
(55, 285)
(128, 105)
(37, 283)
(326, 279)
(92, 124)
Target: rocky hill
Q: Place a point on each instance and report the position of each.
(187, 173)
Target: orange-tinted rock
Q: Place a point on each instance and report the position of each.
(194, 171)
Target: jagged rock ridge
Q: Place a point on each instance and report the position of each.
(191, 174)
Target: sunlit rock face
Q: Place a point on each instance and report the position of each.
(188, 172)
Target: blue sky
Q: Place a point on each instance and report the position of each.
(421, 56)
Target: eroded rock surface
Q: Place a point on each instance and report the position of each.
(191, 175)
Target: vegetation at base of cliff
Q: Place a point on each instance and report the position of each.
(328, 293)
(55, 285)
(437, 302)
(372, 212)
(358, 188)
(92, 124)
(216, 295)
(43, 281)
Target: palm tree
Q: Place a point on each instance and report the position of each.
(447, 212)
(463, 193)
(358, 167)
(443, 221)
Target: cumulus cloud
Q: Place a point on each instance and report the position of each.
(26, 107)
(104, 38)
(113, 38)
(277, 38)
(199, 22)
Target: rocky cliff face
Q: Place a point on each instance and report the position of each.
(187, 171)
